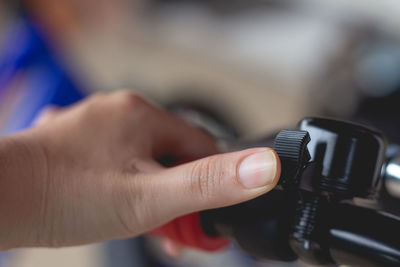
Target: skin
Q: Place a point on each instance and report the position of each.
(88, 173)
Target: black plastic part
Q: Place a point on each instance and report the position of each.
(348, 157)
(309, 229)
(315, 217)
(259, 226)
(291, 147)
(363, 237)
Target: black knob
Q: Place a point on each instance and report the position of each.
(291, 147)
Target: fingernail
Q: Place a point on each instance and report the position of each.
(258, 169)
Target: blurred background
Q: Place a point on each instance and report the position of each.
(258, 65)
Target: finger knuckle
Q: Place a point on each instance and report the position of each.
(205, 177)
(94, 102)
(92, 108)
(97, 97)
(130, 100)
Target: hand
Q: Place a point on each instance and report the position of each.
(89, 173)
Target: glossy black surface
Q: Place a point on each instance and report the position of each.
(348, 156)
(321, 220)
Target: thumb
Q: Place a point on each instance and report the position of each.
(212, 182)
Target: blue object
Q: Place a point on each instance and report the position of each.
(32, 74)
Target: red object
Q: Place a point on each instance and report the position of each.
(187, 231)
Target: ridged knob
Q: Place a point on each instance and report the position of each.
(291, 147)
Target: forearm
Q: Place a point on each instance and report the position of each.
(22, 180)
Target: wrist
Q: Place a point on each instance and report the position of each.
(22, 177)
